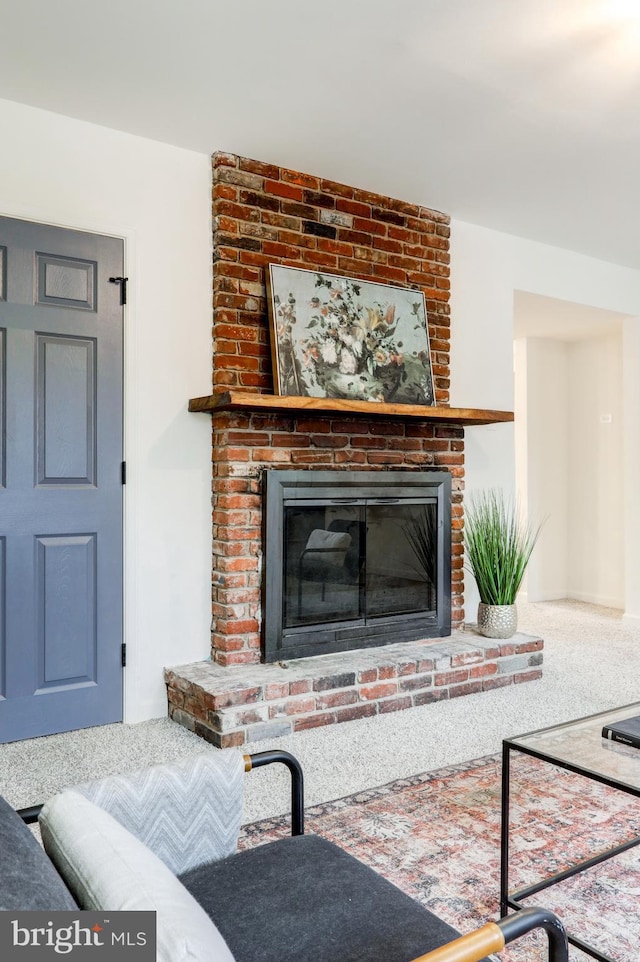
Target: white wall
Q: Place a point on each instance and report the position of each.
(520, 409)
(486, 268)
(73, 174)
(482, 358)
(543, 427)
(631, 465)
(571, 425)
(596, 515)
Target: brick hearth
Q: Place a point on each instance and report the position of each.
(241, 704)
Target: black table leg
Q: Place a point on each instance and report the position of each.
(504, 834)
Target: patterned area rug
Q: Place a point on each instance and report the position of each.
(437, 836)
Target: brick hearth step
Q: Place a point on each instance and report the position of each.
(238, 704)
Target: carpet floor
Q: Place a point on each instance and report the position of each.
(437, 836)
(591, 663)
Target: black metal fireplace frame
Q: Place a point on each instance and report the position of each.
(279, 486)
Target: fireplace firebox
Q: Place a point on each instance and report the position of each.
(354, 559)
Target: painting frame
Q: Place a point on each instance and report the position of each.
(338, 336)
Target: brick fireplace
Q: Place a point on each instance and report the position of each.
(266, 214)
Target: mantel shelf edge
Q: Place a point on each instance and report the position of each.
(226, 401)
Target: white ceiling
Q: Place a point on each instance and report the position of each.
(520, 115)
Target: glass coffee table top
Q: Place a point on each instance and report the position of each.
(579, 745)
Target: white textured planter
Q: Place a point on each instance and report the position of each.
(497, 621)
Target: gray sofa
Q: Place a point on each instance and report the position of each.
(165, 840)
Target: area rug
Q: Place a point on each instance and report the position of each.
(437, 836)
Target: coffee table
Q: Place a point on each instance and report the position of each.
(577, 746)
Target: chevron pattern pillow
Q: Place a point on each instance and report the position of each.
(187, 812)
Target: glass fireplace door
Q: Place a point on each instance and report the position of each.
(401, 558)
(351, 561)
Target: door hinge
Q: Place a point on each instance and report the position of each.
(123, 472)
(122, 281)
(124, 656)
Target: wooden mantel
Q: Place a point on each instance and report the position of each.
(250, 401)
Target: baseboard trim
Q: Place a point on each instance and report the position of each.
(542, 597)
(601, 601)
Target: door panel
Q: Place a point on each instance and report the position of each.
(3, 632)
(3, 425)
(65, 410)
(66, 282)
(61, 503)
(67, 615)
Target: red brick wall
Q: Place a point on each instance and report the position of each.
(266, 214)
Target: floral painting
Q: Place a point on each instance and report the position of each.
(340, 337)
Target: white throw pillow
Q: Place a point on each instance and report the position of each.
(106, 867)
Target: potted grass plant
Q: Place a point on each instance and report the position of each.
(498, 545)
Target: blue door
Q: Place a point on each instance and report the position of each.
(61, 343)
